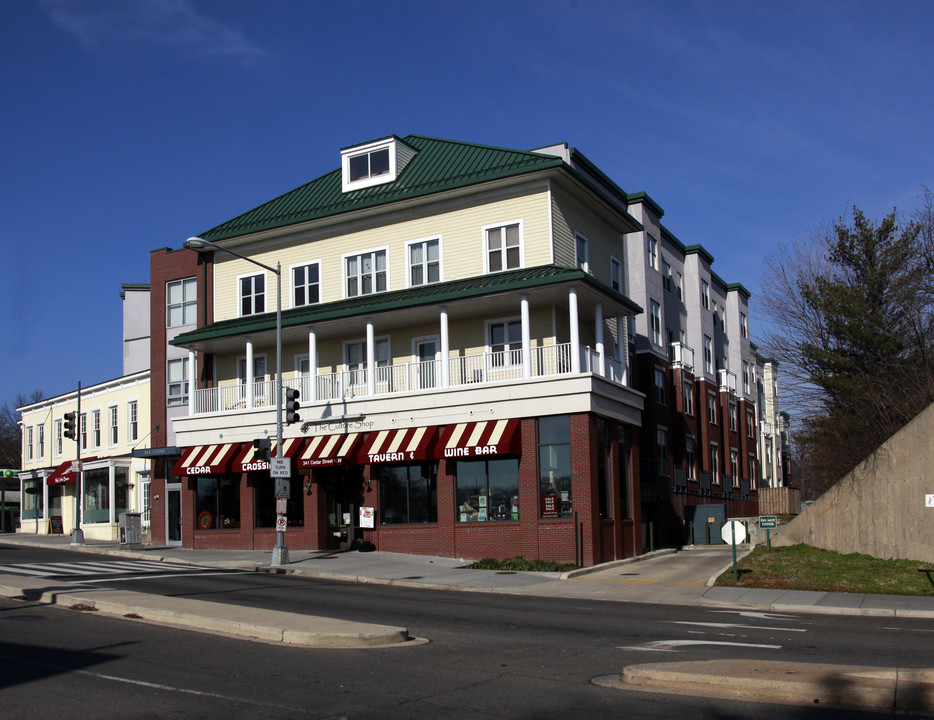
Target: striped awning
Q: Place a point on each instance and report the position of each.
(208, 459)
(67, 472)
(328, 450)
(244, 461)
(402, 445)
(480, 439)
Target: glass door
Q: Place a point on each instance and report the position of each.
(173, 514)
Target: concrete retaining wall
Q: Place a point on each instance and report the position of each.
(879, 508)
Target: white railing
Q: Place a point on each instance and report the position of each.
(683, 355)
(465, 370)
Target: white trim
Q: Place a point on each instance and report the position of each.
(399, 156)
(486, 253)
(501, 321)
(408, 260)
(360, 253)
(291, 282)
(266, 293)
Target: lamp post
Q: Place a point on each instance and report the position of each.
(280, 553)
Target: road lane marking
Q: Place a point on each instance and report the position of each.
(673, 645)
(734, 626)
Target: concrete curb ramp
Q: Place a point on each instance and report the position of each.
(249, 623)
(789, 682)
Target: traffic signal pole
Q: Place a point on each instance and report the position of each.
(77, 535)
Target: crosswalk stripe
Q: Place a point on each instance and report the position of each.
(116, 567)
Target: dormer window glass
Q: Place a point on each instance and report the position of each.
(369, 165)
(374, 163)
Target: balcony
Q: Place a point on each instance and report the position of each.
(728, 382)
(468, 371)
(682, 356)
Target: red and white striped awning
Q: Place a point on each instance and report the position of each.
(245, 462)
(208, 459)
(480, 439)
(67, 472)
(402, 445)
(328, 450)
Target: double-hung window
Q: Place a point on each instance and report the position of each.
(177, 382)
(29, 446)
(582, 260)
(252, 294)
(259, 376)
(424, 262)
(688, 395)
(132, 421)
(656, 320)
(181, 302)
(661, 448)
(734, 467)
(96, 417)
(306, 284)
(506, 342)
(366, 273)
(114, 433)
(660, 385)
(705, 294)
(40, 441)
(715, 463)
(712, 408)
(504, 247)
(666, 276)
(652, 252)
(355, 358)
(616, 275)
(59, 430)
(690, 460)
(708, 355)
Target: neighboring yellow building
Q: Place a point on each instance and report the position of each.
(114, 420)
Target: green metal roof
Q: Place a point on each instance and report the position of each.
(438, 165)
(437, 293)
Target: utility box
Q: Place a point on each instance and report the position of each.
(131, 529)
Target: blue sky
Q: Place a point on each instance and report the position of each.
(130, 125)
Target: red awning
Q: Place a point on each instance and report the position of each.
(402, 445)
(66, 472)
(480, 439)
(244, 461)
(327, 450)
(208, 459)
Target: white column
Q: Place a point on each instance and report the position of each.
(526, 338)
(370, 358)
(192, 381)
(312, 365)
(598, 334)
(575, 332)
(445, 350)
(248, 380)
(622, 334)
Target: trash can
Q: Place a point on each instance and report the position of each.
(131, 529)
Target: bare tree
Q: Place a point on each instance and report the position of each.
(11, 442)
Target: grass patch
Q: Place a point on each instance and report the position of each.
(520, 564)
(802, 567)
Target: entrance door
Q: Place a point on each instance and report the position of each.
(173, 514)
(426, 354)
(342, 486)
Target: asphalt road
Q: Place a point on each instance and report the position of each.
(486, 656)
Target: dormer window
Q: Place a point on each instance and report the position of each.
(374, 163)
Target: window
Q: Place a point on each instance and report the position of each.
(181, 302)
(177, 378)
(424, 262)
(688, 396)
(368, 165)
(708, 355)
(679, 284)
(714, 463)
(217, 504)
(32, 500)
(705, 294)
(29, 444)
(506, 342)
(604, 476)
(145, 495)
(652, 251)
(59, 436)
(747, 373)
(40, 441)
(264, 502)
(96, 427)
(554, 466)
(689, 459)
(366, 273)
(132, 421)
(487, 490)
(306, 284)
(733, 415)
(581, 250)
(252, 295)
(259, 374)
(750, 424)
(660, 385)
(616, 275)
(656, 320)
(408, 494)
(114, 434)
(83, 430)
(666, 276)
(355, 358)
(712, 408)
(734, 467)
(752, 470)
(661, 450)
(743, 325)
(504, 247)
(96, 486)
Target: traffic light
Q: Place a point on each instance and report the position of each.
(261, 450)
(70, 425)
(291, 406)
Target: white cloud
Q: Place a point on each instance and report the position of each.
(173, 23)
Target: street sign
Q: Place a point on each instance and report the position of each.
(282, 506)
(732, 529)
(929, 501)
(280, 523)
(280, 467)
(282, 488)
(768, 521)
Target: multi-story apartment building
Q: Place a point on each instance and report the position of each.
(112, 423)
(460, 322)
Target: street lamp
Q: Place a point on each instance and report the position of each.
(280, 553)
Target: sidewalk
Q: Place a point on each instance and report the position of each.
(680, 578)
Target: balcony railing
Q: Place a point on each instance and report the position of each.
(463, 371)
(728, 381)
(682, 355)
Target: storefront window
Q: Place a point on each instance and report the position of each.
(408, 494)
(622, 437)
(96, 502)
(121, 491)
(264, 502)
(218, 503)
(554, 466)
(487, 490)
(32, 500)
